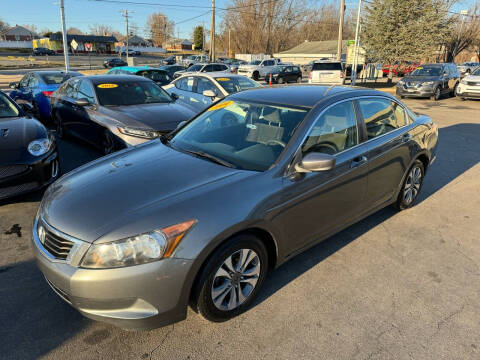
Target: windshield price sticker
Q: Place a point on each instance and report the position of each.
(107, 86)
(223, 79)
(221, 105)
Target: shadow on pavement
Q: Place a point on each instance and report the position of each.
(34, 320)
(458, 151)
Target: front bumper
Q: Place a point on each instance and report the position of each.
(29, 177)
(424, 91)
(144, 296)
(468, 91)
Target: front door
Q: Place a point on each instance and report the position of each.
(319, 203)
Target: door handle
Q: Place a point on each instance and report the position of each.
(358, 161)
(407, 137)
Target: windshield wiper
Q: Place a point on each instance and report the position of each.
(210, 157)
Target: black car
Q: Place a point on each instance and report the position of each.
(172, 69)
(28, 152)
(430, 81)
(169, 60)
(114, 62)
(42, 51)
(158, 76)
(284, 74)
(111, 112)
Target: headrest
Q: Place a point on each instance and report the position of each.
(272, 115)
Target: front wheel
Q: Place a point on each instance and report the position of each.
(411, 186)
(256, 76)
(280, 80)
(232, 278)
(299, 80)
(437, 93)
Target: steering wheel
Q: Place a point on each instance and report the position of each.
(276, 142)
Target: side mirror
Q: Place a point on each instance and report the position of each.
(314, 162)
(82, 102)
(209, 93)
(180, 124)
(13, 85)
(174, 96)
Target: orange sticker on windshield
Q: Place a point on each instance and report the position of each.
(223, 79)
(221, 105)
(107, 86)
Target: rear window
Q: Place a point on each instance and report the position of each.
(327, 66)
(52, 79)
(236, 84)
(154, 75)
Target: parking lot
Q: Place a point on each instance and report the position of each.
(394, 286)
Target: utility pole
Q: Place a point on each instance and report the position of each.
(125, 15)
(212, 34)
(355, 49)
(340, 30)
(64, 37)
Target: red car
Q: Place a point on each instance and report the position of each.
(400, 68)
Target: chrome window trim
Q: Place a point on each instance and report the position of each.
(76, 253)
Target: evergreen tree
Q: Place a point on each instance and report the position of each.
(198, 37)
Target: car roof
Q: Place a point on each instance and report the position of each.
(54, 72)
(136, 68)
(299, 95)
(212, 75)
(99, 79)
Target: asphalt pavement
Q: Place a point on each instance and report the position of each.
(397, 285)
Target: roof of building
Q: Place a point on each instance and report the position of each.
(315, 47)
(187, 42)
(18, 30)
(136, 39)
(85, 38)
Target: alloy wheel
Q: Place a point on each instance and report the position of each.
(280, 80)
(412, 185)
(235, 279)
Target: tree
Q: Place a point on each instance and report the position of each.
(74, 31)
(402, 30)
(159, 28)
(31, 27)
(463, 34)
(101, 30)
(3, 25)
(198, 37)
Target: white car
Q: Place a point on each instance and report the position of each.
(469, 86)
(204, 67)
(199, 90)
(327, 72)
(257, 69)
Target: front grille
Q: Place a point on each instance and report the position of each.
(17, 189)
(57, 246)
(11, 170)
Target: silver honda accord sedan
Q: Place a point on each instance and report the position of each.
(199, 216)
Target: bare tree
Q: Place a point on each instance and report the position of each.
(101, 30)
(3, 25)
(31, 27)
(159, 28)
(74, 31)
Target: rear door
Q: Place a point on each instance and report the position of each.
(184, 89)
(67, 108)
(84, 126)
(202, 85)
(320, 203)
(389, 137)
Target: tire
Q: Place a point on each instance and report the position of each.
(256, 76)
(108, 142)
(437, 93)
(215, 275)
(299, 80)
(280, 80)
(454, 91)
(411, 186)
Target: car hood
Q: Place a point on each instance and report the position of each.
(472, 78)
(420, 78)
(159, 117)
(128, 187)
(248, 67)
(15, 135)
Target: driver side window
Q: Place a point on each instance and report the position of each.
(334, 131)
(24, 82)
(381, 116)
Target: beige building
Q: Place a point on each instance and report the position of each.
(311, 50)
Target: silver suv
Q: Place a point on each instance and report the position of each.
(327, 72)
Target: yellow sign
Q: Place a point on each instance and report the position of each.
(419, 68)
(221, 105)
(107, 86)
(223, 79)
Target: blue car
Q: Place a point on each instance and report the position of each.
(36, 87)
(158, 76)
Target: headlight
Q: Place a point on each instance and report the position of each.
(146, 134)
(401, 82)
(427, 83)
(138, 249)
(39, 147)
(463, 81)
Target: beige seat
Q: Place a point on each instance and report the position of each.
(266, 133)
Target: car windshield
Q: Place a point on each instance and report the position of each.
(244, 135)
(58, 78)
(236, 84)
(195, 68)
(130, 93)
(7, 107)
(427, 71)
(254, 62)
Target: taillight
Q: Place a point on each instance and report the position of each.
(342, 74)
(47, 93)
(310, 75)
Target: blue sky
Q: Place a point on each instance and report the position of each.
(82, 13)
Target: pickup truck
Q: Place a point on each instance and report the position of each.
(194, 59)
(257, 69)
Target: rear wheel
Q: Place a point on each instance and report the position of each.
(232, 278)
(256, 76)
(411, 186)
(280, 80)
(299, 80)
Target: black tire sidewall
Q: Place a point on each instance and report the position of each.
(400, 205)
(204, 303)
(434, 96)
